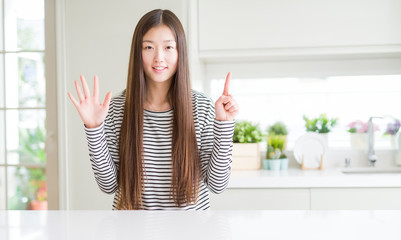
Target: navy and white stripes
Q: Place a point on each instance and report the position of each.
(214, 140)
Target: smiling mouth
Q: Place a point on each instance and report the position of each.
(159, 68)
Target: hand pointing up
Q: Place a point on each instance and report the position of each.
(226, 107)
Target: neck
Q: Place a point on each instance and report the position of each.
(157, 98)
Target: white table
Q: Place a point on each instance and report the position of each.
(200, 225)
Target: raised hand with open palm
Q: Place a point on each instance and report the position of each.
(90, 109)
(226, 107)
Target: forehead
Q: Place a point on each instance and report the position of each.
(160, 33)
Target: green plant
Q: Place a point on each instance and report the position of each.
(247, 132)
(277, 128)
(320, 124)
(31, 180)
(275, 147)
(32, 145)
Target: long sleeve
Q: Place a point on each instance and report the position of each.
(214, 143)
(103, 152)
(216, 150)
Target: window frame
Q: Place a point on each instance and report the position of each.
(51, 143)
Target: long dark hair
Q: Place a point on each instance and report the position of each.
(184, 151)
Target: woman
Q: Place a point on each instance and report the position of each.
(158, 144)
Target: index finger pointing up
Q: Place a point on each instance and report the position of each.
(227, 84)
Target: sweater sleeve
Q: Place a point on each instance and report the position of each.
(216, 150)
(103, 153)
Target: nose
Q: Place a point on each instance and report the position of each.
(159, 55)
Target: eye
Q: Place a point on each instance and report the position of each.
(170, 47)
(148, 47)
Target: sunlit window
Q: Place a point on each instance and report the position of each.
(22, 106)
(348, 98)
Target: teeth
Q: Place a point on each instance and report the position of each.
(159, 68)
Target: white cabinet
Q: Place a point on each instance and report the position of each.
(307, 199)
(237, 28)
(356, 198)
(261, 199)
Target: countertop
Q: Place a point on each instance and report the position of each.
(297, 178)
(200, 225)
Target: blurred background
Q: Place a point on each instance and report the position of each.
(288, 59)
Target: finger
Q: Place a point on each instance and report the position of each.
(85, 87)
(226, 99)
(79, 91)
(223, 99)
(96, 87)
(107, 100)
(233, 109)
(227, 84)
(232, 106)
(228, 106)
(75, 102)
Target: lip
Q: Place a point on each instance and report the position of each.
(159, 70)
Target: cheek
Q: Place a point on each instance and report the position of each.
(173, 59)
(146, 60)
(147, 56)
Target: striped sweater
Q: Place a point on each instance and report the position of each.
(214, 139)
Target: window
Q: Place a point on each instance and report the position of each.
(348, 98)
(23, 161)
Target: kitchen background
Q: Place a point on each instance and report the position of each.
(287, 58)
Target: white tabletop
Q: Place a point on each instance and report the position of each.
(200, 225)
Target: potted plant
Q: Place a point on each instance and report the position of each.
(30, 179)
(321, 124)
(359, 134)
(275, 157)
(277, 128)
(246, 150)
(391, 130)
(40, 202)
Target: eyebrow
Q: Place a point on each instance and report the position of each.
(163, 41)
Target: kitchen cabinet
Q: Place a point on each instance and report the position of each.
(270, 28)
(355, 198)
(308, 199)
(261, 199)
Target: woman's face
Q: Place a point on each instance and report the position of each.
(159, 54)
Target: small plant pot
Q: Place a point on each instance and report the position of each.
(284, 163)
(38, 205)
(275, 164)
(266, 164)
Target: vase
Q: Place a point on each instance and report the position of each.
(325, 137)
(284, 163)
(274, 164)
(393, 142)
(398, 152)
(265, 164)
(359, 141)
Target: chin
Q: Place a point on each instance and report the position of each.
(160, 79)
